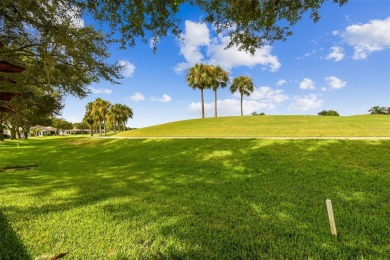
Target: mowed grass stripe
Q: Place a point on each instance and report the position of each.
(271, 126)
(195, 199)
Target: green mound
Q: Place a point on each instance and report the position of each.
(271, 126)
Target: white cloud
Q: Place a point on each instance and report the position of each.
(267, 95)
(100, 91)
(337, 53)
(335, 82)
(369, 37)
(127, 68)
(229, 58)
(182, 66)
(165, 99)
(137, 96)
(306, 84)
(305, 103)
(281, 82)
(313, 53)
(197, 35)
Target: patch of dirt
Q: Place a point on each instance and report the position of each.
(19, 168)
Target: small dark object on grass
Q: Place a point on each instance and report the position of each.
(18, 168)
(58, 256)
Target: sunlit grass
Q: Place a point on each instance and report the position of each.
(271, 126)
(194, 198)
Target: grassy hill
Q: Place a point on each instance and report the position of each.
(271, 126)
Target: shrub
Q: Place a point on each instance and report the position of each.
(328, 113)
(258, 114)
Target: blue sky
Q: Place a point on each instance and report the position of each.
(340, 63)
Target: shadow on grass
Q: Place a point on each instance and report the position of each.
(11, 248)
(206, 198)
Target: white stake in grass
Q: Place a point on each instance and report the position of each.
(331, 217)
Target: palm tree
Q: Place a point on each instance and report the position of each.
(100, 107)
(199, 77)
(125, 113)
(244, 85)
(118, 115)
(113, 115)
(220, 79)
(90, 116)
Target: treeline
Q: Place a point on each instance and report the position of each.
(101, 115)
(378, 110)
(43, 110)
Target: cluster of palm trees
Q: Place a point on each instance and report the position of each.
(202, 76)
(101, 113)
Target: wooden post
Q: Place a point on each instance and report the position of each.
(331, 217)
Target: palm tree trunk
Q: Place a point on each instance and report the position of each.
(215, 102)
(201, 92)
(241, 104)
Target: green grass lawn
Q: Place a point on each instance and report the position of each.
(272, 126)
(194, 198)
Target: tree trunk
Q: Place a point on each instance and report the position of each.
(241, 104)
(215, 102)
(1, 129)
(91, 130)
(25, 133)
(100, 127)
(13, 133)
(18, 133)
(26, 130)
(202, 98)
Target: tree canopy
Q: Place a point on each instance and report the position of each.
(378, 110)
(102, 113)
(243, 85)
(200, 76)
(49, 40)
(33, 107)
(328, 113)
(249, 23)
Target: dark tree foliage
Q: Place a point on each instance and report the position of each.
(33, 107)
(49, 40)
(258, 114)
(378, 110)
(328, 113)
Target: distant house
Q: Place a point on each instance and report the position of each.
(74, 131)
(48, 131)
(43, 130)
